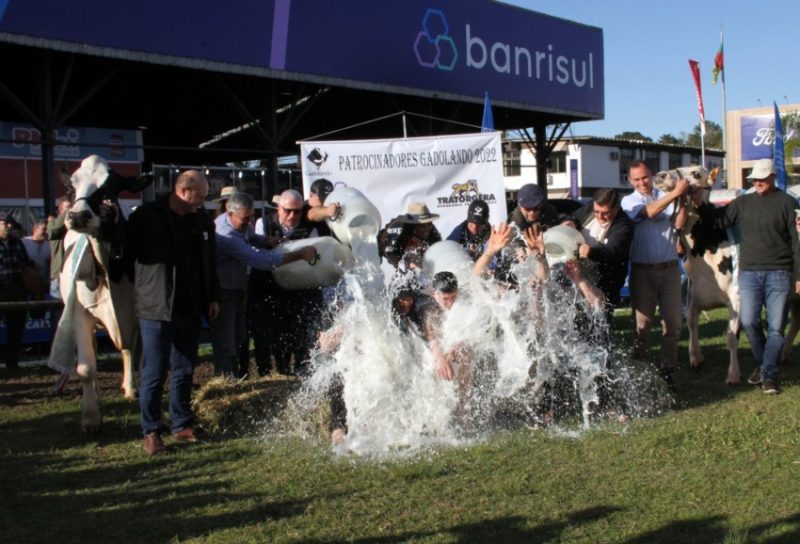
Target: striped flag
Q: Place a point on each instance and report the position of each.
(695, 66)
(719, 65)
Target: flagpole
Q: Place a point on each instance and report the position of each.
(724, 118)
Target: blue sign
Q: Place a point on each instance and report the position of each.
(758, 137)
(457, 49)
(23, 141)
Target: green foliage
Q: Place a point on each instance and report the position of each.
(633, 135)
(721, 466)
(670, 139)
(713, 138)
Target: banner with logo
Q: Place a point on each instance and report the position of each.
(758, 137)
(452, 49)
(444, 172)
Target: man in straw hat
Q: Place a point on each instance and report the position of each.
(408, 236)
(769, 267)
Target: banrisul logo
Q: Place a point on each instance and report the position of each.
(530, 59)
(3, 6)
(434, 46)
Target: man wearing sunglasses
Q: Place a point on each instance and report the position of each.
(293, 315)
(533, 209)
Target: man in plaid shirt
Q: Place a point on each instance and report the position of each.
(12, 259)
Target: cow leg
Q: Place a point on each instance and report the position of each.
(91, 420)
(794, 327)
(695, 355)
(732, 338)
(128, 390)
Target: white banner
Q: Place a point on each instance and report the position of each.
(444, 172)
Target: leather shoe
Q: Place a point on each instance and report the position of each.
(188, 434)
(153, 445)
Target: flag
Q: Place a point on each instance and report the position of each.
(695, 66)
(487, 125)
(777, 152)
(719, 65)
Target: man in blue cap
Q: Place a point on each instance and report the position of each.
(533, 209)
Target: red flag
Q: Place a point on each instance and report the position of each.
(695, 66)
(719, 66)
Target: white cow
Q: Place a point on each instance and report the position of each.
(709, 266)
(90, 297)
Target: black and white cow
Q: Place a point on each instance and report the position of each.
(94, 288)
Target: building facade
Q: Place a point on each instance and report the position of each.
(580, 165)
(750, 135)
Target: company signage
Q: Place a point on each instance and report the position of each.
(446, 173)
(23, 141)
(457, 49)
(758, 137)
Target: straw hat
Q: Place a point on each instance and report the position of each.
(418, 213)
(226, 193)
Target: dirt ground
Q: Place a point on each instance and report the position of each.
(33, 382)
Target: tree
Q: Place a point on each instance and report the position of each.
(713, 136)
(629, 135)
(791, 140)
(670, 139)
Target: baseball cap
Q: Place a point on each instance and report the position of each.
(530, 195)
(763, 168)
(478, 212)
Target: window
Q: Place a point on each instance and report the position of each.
(557, 163)
(675, 160)
(626, 157)
(651, 159)
(512, 165)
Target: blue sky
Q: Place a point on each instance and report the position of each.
(648, 84)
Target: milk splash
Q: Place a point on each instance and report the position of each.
(535, 354)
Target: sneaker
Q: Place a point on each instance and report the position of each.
(188, 434)
(153, 445)
(755, 377)
(770, 388)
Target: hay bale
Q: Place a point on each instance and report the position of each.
(227, 407)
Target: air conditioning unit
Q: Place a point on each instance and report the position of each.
(614, 156)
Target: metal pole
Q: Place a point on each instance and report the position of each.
(405, 129)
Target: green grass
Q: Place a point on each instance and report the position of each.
(722, 466)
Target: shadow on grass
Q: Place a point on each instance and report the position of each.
(707, 384)
(49, 497)
(506, 529)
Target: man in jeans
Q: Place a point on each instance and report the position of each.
(172, 244)
(769, 267)
(655, 277)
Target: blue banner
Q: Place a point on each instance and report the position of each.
(574, 189)
(23, 141)
(778, 158)
(456, 49)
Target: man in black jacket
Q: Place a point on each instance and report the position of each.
(608, 234)
(171, 242)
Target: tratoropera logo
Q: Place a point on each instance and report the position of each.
(434, 47)
(462, 194)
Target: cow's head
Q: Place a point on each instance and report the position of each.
(696, 175)
(93, 183)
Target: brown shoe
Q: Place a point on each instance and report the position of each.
(153, 445)
(188, 434)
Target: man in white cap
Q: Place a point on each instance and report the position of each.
(769, 267)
